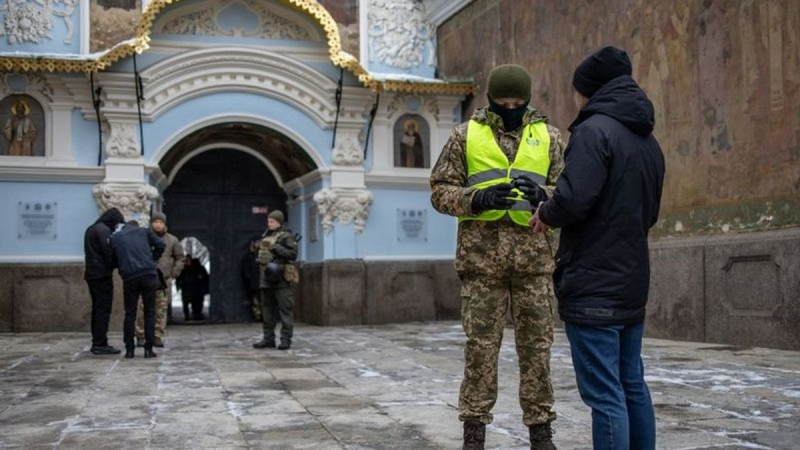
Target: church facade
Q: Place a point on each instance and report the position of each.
(216, 112)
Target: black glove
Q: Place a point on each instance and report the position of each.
(531, 191)
(493, 197)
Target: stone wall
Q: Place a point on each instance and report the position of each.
(740, 291)
(50, 297)
(356, 292)
(724, 76)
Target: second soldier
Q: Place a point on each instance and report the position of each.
(277, 251)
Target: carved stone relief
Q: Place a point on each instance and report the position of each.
(348, 151)
(32, 21)
(122, 143)
(400, 33)
(401, 101)
(133, 200)
(344, 206)
(206, 22)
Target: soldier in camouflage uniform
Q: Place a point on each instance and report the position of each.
(277, 251)
(501, 262)
(170, 265)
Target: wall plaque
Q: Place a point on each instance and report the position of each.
(37, 220)
(412, 225)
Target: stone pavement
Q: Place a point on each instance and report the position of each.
(393, 386)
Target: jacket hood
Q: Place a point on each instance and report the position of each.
(111, 218)
(623, 100)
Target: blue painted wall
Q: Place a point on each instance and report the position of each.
(76, 211)
(85, 146)
(58, 32)
(381, 236)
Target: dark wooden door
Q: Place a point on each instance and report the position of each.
(213, 198)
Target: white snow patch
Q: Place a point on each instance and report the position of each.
(363, 373)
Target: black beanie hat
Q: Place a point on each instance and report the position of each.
(510, 81)
(600, 68)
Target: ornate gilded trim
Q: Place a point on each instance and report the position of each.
(141, 42)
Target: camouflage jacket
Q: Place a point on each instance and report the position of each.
(276, 247)
(498, 248)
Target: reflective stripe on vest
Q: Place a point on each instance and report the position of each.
(487, 165)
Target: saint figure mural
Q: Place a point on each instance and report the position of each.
(412, 149)
(19, 130)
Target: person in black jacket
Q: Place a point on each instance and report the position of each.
(251, 278)
(605, 203)
(136, 251)
(98, 271)
(194, 286)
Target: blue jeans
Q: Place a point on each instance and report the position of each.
(610, 374)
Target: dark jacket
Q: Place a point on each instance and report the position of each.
(250, 273)
(136, 251)
(97, 247)
(606, 201)
(193, 281)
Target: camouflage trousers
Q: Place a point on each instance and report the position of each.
(485, 302)
(163, 302)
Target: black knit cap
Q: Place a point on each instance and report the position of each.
(600, 68)
(510, 81)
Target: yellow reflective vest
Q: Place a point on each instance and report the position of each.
(487, 165)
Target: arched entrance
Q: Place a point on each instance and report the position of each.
(223, 181)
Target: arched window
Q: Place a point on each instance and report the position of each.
(22, 122)
(412, 137)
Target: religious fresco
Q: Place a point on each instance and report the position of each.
(113, 22)
(22, 122)
(345, 13)
(412, 142)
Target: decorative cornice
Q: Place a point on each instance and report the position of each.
(414, 178)
(307, 180)
(439, 11)
(141, 43)
(44, 173)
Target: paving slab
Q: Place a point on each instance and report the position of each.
(391, 386)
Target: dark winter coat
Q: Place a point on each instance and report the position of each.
(97, 246)
(250, 273)
(193, 281)
(136, 251)
(606, 201)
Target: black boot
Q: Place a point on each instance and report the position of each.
(128, 354)
(541, 437)
(264, 344)
(474, 435)
(105, 350)
(284, 345)
(149, 353)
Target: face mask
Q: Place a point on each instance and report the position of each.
(512, 118)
